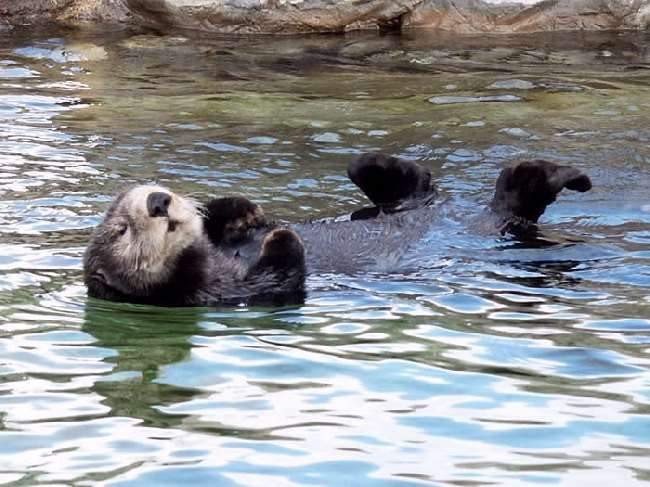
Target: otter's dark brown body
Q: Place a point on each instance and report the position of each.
(153, 247)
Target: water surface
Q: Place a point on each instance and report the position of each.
(499, 364)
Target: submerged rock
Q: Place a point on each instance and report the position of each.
(75, 52)
(512, 84)
(451, 100)
(550, 86)
(518, 133)
(293, 16)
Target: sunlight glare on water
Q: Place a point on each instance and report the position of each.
(499, 364)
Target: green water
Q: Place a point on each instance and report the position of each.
(499, 364)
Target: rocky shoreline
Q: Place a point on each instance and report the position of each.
(305, 16)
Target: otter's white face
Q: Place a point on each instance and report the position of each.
(153, 226)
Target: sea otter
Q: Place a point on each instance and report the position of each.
(156, 247)
(151, 248)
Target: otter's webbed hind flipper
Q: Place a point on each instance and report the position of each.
(392, 184)
(523, 192)
(231, 221)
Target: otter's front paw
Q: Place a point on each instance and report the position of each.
(282, 249)
(278, 276)
(230, 220)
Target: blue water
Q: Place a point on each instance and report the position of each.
(499, 364)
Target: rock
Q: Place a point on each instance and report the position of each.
(67, 12)
(502, 16)
(271, 16)
(294, 16)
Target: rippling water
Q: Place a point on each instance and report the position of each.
(502, 364)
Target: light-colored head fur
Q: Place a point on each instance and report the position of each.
(146, 245)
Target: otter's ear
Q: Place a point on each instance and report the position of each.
(387, 180)
(570, 178)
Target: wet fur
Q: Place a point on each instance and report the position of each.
(405, 210)
(232, 254)
(133, 257)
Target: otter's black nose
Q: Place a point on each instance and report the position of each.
(158, 203)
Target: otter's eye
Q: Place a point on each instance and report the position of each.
(121, 230)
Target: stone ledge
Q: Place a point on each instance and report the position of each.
(302, 16)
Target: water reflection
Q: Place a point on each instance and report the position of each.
(489, 362)
(142, 341)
